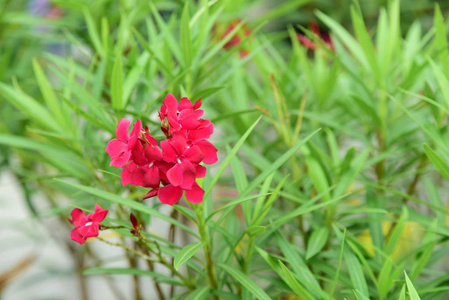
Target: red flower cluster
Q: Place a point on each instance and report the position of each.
(237, 38)
(86, 226)
(171, 167)
(325, 37)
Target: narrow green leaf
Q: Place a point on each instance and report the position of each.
(411, 289)
(355, 272)
(186, 253)
(33, 109)
(228, 158)
(117, 84)
(245, 281)
(316, 242)
(437, 161)
(92, 31)
(255, 230)
(49, 95)
(186, 42)
(294, 284)
(199, 293)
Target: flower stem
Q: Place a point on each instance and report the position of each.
(202, 228)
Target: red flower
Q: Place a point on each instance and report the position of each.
(325, 38)
(86, 226)
(119, 149)
(237, 37)
(171, 169)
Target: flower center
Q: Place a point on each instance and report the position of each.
(88, 224)
(179, 161)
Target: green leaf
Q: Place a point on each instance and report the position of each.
(228, 159)
(411, 289)
(199, 293)
(92, 31)
(117, 84)
(186, 43)
(437, 161)
(255, 230)
(49, 95)
(33, 109)
(441, 40)
(317, 241)
(186, 253)
(294, 284)
(355, 272)
(246, 282)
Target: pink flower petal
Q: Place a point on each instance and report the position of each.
(194, 154)
(178, 142)
(115, 148)
(188, 174)
(209, 151)
(171, 102)
(195, 195)
(153, 153)
(204, 131)
(151, 177)
(74, 235)
(126, 173)
(137, 176)
(121, 160)
(169, 194)
(175, 175)
(138, 154)
(99, 214)
(78, 217)
(135, 133)
(200, 171)
(188, 119)
(185, 103)
(122, 130)
(169, 153)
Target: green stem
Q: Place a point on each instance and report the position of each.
(207, 250)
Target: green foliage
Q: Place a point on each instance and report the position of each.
(333, 167)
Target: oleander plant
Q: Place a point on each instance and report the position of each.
(225, 149)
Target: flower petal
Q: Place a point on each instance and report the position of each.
(126, 173)
(122, 130)
(195, 195)
(169, 194)
(175, 175)
(151, 177)
(200, 171)
(74, 235)
(194, 154)
(209, 151)
(78, 217)
(135, 133)
(153, 153)
(138, 154)
(121, 160)
(99, 214)
(115, 148)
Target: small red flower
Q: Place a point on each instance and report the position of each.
(237, 37)
(120, 149)
(86, 226)
(325, 38)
